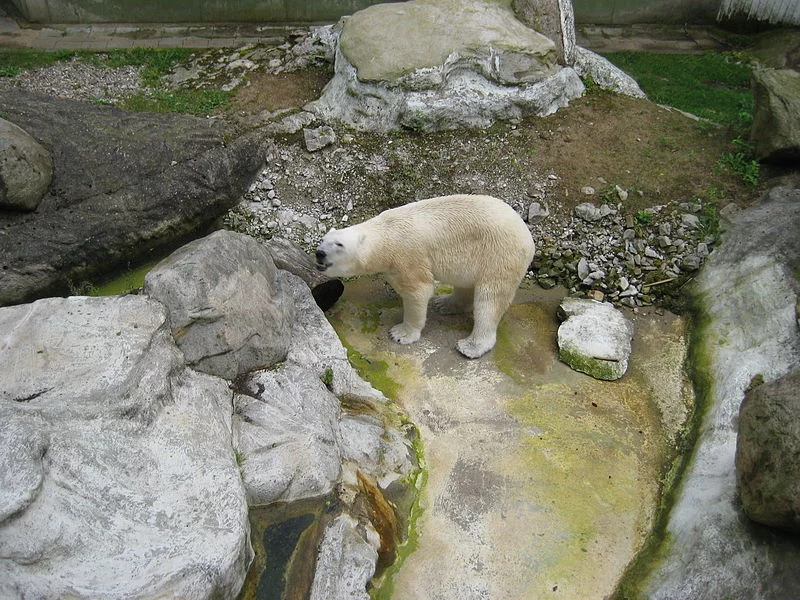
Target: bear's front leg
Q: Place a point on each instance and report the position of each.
(415, 310)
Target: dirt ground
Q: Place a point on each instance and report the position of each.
(601, 140)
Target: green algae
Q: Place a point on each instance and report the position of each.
(566, 457)
(599, 369)
(659, 543)
(517, 353)
(383, 585)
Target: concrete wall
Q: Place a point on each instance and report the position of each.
(626, 12)
(600, 12)
(188, 11)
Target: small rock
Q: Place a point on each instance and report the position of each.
(595, 295)
(595, 338)
(588, 190)
(583, 268)
(588, 212)
(690, 221)
(319, 138)
(537, 212)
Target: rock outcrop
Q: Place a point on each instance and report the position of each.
(118, 475)
(776, 118)
(227, 307)
(26, 169)
(747, 294)
(126, 472)
(123, 184)
(595, 338)
(768, 453)
(442, 64)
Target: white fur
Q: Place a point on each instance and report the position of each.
(478, 244)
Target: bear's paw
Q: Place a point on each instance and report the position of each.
(403, 334)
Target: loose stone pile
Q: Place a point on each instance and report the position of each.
(603, 251)
(226, 69)
(633, 260)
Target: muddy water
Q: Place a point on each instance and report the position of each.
(540, 479)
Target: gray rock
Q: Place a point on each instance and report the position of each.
(594, 338)
(346, 561)
(319, 138)
(26, 169)
(749, 306)
(690, 221)
(227, 308)
(768, 453)
(286, 427)
(583, 268)
(117, 475)
(442, 65)
(537, 212)
(776, 119)
(289, 426)
(589, 212)
(127, 183)
(604, 73)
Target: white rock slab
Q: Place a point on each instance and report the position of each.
(595, 338)
(118, 478)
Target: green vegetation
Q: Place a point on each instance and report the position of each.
(154, 63)
(195, 102)
(327, 377)
(643, 218)
(740, 162)
(714, 86)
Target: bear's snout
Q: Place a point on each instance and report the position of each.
(321, 254)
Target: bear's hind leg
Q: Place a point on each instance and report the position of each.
(415, 312)
(489, 306)
(460, 301)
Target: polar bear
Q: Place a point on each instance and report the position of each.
(478, 244)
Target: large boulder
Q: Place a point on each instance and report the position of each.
(746, 296)
(26, 169)
(117, 474)
(123, 184)
(289, 424)
(595, 338)
(776, 119)
(768, 453)
(227, 308)
(442, 64)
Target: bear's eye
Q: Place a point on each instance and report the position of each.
(340, 244)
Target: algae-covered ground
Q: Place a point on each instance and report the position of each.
(539, 478)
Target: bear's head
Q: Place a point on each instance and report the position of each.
(339, 252)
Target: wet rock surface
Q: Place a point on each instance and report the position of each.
(748, 296)
(123, 184)
(538, 476)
